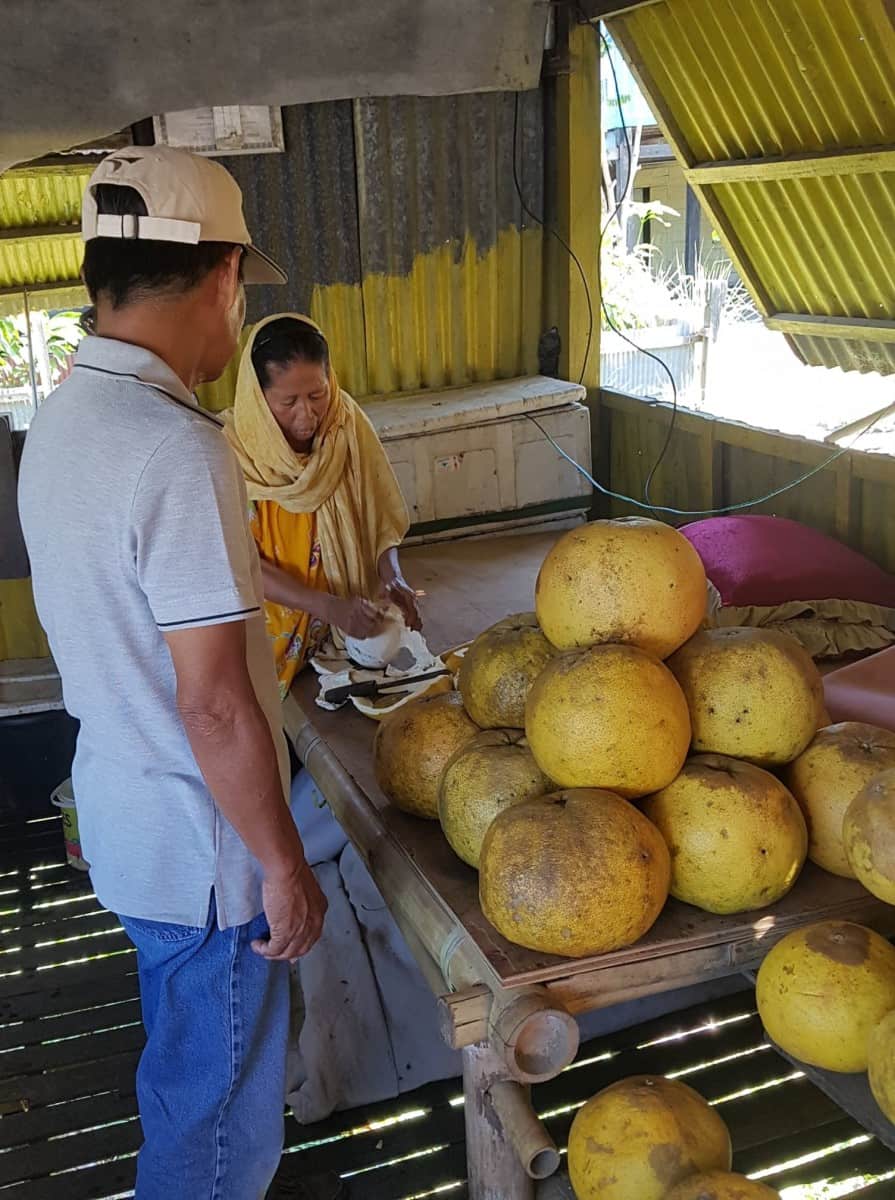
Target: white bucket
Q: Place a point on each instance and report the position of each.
(64, 799)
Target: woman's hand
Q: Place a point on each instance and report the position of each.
(355, 617)
(401, 594)
(397, 590)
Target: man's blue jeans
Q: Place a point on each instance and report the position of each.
(211, 1082)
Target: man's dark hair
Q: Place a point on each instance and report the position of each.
(285, 341)
(123, 270)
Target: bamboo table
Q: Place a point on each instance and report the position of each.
(510, 1010)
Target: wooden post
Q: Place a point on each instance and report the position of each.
(494, 1169)
(578, 158)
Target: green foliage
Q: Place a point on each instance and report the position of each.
(62, 331)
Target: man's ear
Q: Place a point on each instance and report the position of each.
(229, 277)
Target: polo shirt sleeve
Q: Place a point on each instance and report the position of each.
(194, 556)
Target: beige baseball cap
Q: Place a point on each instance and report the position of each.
(189, 199)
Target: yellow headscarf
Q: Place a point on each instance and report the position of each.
(346, 478)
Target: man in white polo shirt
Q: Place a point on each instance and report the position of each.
(148, 585)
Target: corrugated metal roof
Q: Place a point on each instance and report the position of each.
(42, 196)
(735, 81)
(33, 199)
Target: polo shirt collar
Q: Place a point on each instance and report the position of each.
(132, 362)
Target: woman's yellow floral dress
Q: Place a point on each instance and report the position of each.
(289, 541)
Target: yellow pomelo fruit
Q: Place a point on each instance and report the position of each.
(736, 835)
(721, 1185)
(868, 833)
(753, 693)
(840, 761)
(488, 774)
(632, 580)
(610, 717)
(573, 873)
(641, 1136)
(414, 745)
(822, 989)
(499, 669)
(881, 1065)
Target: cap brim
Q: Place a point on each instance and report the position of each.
(258, 268)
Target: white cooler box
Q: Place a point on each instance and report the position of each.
(469, 460)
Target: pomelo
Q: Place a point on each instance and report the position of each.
(631, 580)
(868, 834)
(414, 744)
(822, 990)
(826, 777)
(491, 772)
(574, 873)
(721, 1185)
(609, 717)
(736, 835)
(753, 694)
(642, 1136)
(499, 668)
(881, 1065)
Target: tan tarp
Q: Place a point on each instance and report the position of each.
(74, 70)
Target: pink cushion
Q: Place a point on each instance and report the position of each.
(770, 560)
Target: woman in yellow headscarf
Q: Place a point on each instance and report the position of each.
(326, 510)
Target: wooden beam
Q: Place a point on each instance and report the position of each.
(853, 328)
(578, 141)
(24, 233)
(600, 10)
(860, 161)
(50, 285)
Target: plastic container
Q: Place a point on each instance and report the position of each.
(64, 799)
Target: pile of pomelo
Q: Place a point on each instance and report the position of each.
(610, 750)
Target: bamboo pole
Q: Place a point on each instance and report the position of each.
(533, 1035)
(535, 1148)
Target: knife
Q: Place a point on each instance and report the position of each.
(378, 687)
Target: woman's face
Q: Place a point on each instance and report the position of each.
(298, 396)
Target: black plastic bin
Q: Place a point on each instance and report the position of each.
(36, 753)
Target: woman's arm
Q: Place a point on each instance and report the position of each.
(356, 617)
(282, 588)
(397, 589)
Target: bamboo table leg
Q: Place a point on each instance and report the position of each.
(493, 1166)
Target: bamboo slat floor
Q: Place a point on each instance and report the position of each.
(70, 1036)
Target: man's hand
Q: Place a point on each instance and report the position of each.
(295, 907)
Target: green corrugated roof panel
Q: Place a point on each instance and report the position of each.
(771, 93)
